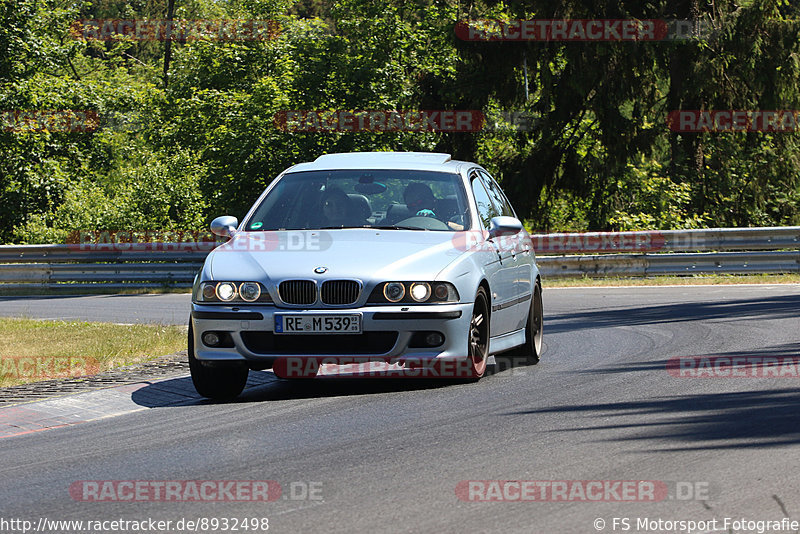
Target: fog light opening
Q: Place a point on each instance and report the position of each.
(426, 340)
(434, 339)
(211, 339)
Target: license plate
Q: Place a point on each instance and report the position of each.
(318, 324)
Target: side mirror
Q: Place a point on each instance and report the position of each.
(224, 226)
(500, 226)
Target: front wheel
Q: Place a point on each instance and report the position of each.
(216, 380)
(479, 335)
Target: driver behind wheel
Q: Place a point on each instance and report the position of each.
(419, 199)
(421, 202)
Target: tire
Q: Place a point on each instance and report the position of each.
(531, 351)
(478, 335)
(216, 380)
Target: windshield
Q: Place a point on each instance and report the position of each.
(389, 199)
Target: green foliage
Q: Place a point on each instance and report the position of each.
(597, 154)
(145, 193)
(647, 199)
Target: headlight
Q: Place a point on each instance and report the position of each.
(394, 291)
(226, 291)
(440, 292)
(209, 291)
(420, 291)
(413, 293)
(250, 291)
(231, 293)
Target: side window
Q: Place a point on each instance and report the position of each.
(497, 196)
(486, 208)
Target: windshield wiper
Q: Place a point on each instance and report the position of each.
(396, 227)
(339, 227)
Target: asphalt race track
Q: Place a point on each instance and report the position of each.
(387, 455)
(171, 308)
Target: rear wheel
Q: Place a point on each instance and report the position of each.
(216, 380)
(532, 349)
(479, 335)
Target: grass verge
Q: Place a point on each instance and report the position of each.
(33, 350)
(66, 291)
(692, 280)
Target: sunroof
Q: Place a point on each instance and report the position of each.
(421, 157)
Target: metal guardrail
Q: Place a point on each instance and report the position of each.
(665, 252)
(125, 265)
(707, 240)
(669, 264)
(107, 266)
(106, 252)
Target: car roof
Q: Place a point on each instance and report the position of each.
(432, 161)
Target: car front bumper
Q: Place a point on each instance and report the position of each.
(387, 333)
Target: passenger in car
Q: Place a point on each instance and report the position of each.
(338, 209)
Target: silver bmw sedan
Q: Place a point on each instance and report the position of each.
(410, 261)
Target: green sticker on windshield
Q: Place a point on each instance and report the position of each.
(256, 225)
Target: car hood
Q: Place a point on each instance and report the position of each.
(365, 254)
